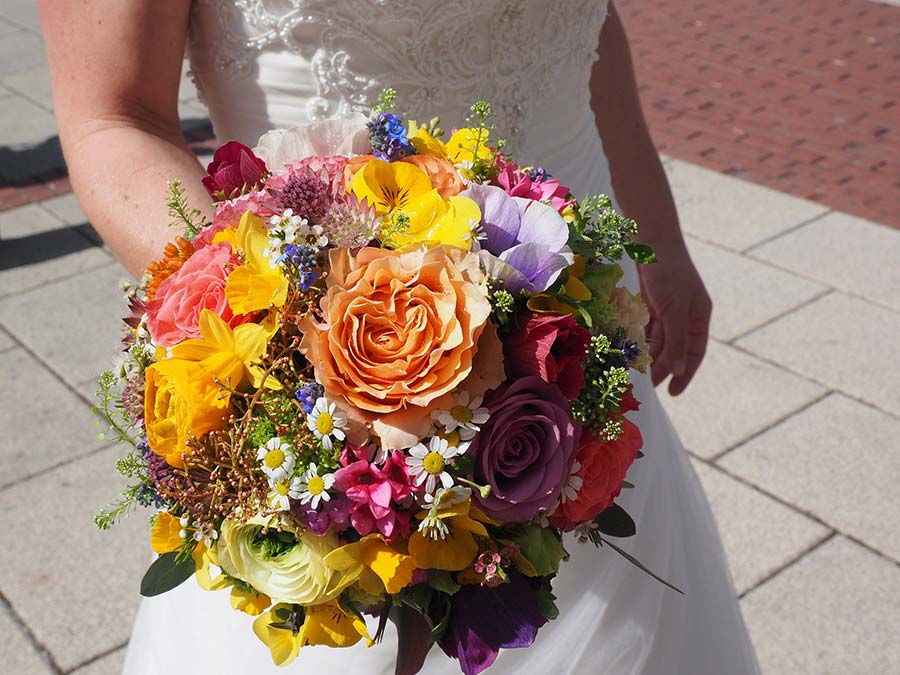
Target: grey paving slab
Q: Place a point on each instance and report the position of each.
(835, 612)
(760, 534)
(92, 577)
(111, 664)
(845, 342)
(6, 342)
(33, 84)
(848, 253)
(7, 28)
(67, 209)
(746, 293)
(37, 248)
(34, 404)
(836, 460)
(732, 212)
(16, 653)
(73, 324)
(24, 123)
(20, 49)
(732, 397)
(22, 12)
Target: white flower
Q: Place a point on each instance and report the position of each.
(276, 459)
(326, 424)
(281, 493)
(427, 464)
(572, 485)
(314, 487)
(465, 417)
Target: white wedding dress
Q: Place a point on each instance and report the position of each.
(263, 64)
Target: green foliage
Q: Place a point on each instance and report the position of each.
(599, 232)
(542, 548)
(605, 383)
(166, 572)
(503, 304)
(187, 219)
(547, 601)
(442, 581)
(271, 543)
(387, 101)
(119, 509)
(482, 117)
(261, 433)
(109, 409)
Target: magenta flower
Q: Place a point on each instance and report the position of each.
(375, 492)
(526, 449)
(233, 170)
(534, 185)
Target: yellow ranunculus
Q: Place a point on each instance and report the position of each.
(377, 565)
(297, 575)
(165, 535)
(259, 283)
(181, 400)
(327, 624)
(231, 356)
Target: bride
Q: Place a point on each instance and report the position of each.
(262, 64)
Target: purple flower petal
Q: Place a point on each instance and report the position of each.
(499, 216)
(541, 224)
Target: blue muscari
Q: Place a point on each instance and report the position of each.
(387, 133)
(307, 395)
(301, 260)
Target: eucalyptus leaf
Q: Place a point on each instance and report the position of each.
(165, 574)
(616, 522)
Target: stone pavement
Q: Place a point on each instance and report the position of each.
(792, 422)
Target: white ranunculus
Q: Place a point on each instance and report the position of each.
(342, 136)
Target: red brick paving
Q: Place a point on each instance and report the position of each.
(799, 95)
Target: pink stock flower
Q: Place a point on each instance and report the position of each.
(518, 183)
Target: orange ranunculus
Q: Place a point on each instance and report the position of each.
(181, 400)
(443, 174)
(402, 329)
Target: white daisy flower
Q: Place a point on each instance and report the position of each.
(572, 485)
(427, 464)
(326, 424)
(282, 492)
(465, 417)
(314, 487)
(276, 458)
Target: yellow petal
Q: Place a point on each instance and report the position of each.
(249, 602)
(425, 143)
(283, 643)
(372, 553)
(165, 537)
(576, 289)
(330, 625)
(544, 303)
(453, 553)
(389, 185)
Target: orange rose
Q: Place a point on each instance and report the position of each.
(402, 329)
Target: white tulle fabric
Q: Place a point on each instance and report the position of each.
(278, 63)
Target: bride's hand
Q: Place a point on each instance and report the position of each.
(680, 309)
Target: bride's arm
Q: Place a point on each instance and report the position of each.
(115, 68)
(679, 304)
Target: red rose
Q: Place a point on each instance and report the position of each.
(603, 468)
(233, 169)
(551, 347)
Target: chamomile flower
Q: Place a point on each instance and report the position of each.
(282, 492)
(276, 458)
(465, 417)
(572, 485)
(428, 463)
(314, 488)
(326, 424)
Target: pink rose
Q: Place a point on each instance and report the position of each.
(233, 169)
(535, 184)
(551, 347)
(174, 312)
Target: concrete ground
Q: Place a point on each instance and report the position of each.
(792, 422)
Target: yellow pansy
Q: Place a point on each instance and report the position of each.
(376, 565)
(243, 597)
(285, 629)
(434, 220)
(166, 533)
(448, 542)
(230, 355)
(259, 283)
(424, 142)
(389, 186)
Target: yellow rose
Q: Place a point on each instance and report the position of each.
(287, 571)
(181, 400)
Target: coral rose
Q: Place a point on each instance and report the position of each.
(603, 468)
(402, 329)
(174, 313)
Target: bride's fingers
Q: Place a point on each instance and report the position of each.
(659, 370)
(697, 339)
(674, 352)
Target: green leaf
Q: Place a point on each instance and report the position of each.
(640, 253)
(442, 581)
(547, 601)
(637, 563)
(165, 574)
(541, 548)
(616, 522)
(440, 627)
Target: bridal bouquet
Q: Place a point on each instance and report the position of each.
(390, 372)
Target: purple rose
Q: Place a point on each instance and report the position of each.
(526, 241)
(526, 449)
(233, 169)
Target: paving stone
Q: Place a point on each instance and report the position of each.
(835, 460)
(848, 253)
(67, 209)
(760, 535)
(732, 212)
(19, 50)
(73, 324)
(835, 612)
(33, 84)
(37, 248)
(844, 342)
(75, 586)
(39, 406)
(16, 653)
(6, 342)
(22, 12)
(7, 28)
(746, 293)
(732, 397)
(24, 123)
(111, 664)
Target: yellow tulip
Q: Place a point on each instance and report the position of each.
(257, 284)
(376, 565)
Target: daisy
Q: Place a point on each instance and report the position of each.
(314, 487)
(276, 459)
(281, 493)
(465, 417)
(326, 424)
(427, 464)
(572, 485)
